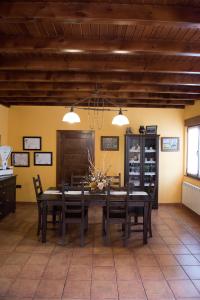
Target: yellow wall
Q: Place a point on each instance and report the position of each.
(3, 125)
(191, 111)
(44, 121)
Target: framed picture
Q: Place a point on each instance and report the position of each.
(151, 129)
(169, 144)
(20, 159)
(32, 143)
(109, 143)
(43, 158)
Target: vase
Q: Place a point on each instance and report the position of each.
(142, 130)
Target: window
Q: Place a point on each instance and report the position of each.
(193, 151)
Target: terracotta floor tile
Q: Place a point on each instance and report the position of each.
(83, 251)
(172, 241)
(146, 260)
(197, 284)
(103, 273)
(55, 272)
(79, 272)
(101, 260)
(124, 260)
(59, 259)
(192, 271)
(131, 289)
(32, 271)
(194, 249)
(178, 249)
(5, 284)
(103, 250)
(187, 260)
(127, 273)
(102, 289)
(151, 273)
(160, 249)
(174, 272)
(77, 289)
(17, 258)
(82, 260)
(10, 271)
(38, 259)
(157, 290)
(50, 288)
(167, 260)
(183, 288)
(23, 288)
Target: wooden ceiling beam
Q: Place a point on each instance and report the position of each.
(118, 102)
(91, 87)
(108, 94)
(20, 44)
(138, 64)
(134, 105)
(99, 13)
(144, 78)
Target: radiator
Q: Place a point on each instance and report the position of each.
(191, 196)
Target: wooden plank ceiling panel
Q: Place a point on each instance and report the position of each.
(136, 53)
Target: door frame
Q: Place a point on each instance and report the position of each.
(58, 149)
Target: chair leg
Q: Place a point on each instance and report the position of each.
(103, 224)
(149, 225)
(39, 223)
(126, 234)
(82, 229)
(107, 233)
(54, 216)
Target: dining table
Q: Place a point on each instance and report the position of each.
(52, 197)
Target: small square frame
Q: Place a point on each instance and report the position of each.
(109, 143)
(20, 159)
(151, 129)
(43, 158)
(32, 143)
(170, 144)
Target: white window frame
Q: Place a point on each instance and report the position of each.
(198, 174)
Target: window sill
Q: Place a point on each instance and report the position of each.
(192, 176)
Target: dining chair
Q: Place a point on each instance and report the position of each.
(115, 181)
(38, 192)
(77, 180)
(74, 211)
(138, 212)
(116, 212)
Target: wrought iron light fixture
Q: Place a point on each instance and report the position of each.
(120, 119)
(71, 117)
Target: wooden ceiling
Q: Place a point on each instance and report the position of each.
(135, 53)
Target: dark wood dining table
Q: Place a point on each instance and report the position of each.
(53, 197)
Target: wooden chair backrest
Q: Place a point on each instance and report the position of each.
(77, 180)
(117, 204)
(115, 181)
(37, 186)
(73, 203)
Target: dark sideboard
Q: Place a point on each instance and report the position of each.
(7, 195)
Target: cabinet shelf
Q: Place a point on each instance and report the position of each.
(141, 161)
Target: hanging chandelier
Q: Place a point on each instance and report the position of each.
(96, 109)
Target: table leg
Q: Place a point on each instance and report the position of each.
(44, 221)
(145, 229)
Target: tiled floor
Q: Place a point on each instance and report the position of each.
(167, 268)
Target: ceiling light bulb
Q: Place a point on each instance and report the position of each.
(71, 117)
(73, 50)
(120, 119)
(121, 51)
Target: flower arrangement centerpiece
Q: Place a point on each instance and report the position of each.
(97, 179)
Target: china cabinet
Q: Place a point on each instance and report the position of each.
(141, 161)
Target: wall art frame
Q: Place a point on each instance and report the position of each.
(110, 143)
(43, 159)
(151, 129)
(170, 144)
(20, 159)
(32, 143)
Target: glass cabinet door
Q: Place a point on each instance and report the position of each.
(134, 161)
(149, 163)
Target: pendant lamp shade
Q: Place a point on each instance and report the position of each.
(71, 117)
(120, 119)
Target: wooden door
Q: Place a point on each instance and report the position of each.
(72, 153)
